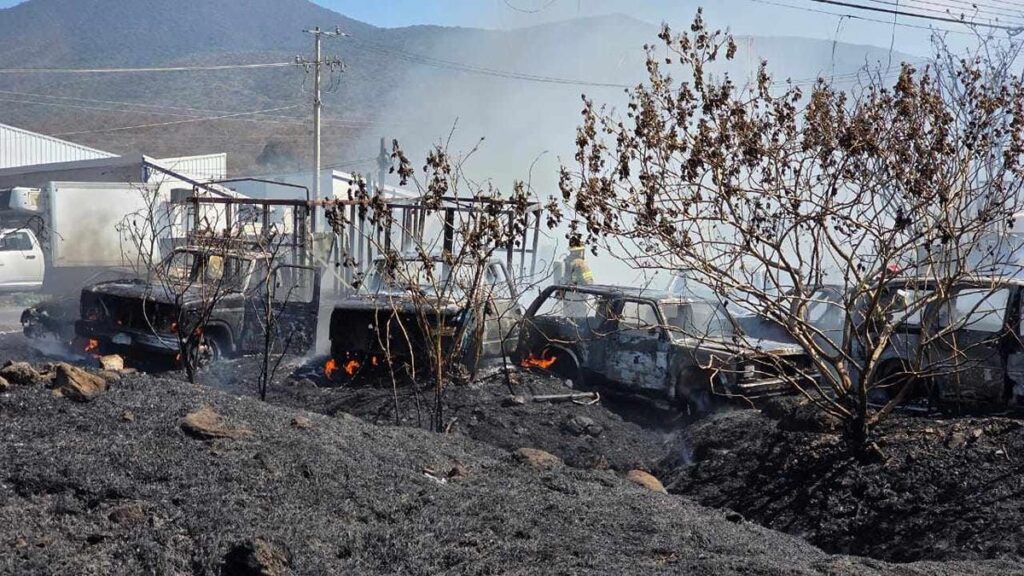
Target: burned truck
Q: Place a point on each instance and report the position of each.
(216, 300)
(674, 350)
(407, 306)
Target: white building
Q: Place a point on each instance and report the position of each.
(23, 148)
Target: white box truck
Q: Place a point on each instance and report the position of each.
(58, 236)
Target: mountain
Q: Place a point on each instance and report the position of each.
(415, 84)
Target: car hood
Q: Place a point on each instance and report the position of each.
(142, 290)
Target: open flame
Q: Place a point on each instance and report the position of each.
(544, 363)
(330, 368)
(351, 366)
(92, 345)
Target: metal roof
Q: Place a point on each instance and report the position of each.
(23, 148)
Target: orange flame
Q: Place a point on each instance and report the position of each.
(92, 345)
(351, 366)
(330, 368)
(532, 361)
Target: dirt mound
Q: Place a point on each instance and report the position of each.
(84, 491)
(582, 434)
(943, 489)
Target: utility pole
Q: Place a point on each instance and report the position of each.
(316, 66)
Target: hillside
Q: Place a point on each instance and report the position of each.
(407, 83)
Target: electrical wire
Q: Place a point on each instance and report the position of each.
(529, 11)
(948, 8)
(894, 12)
(143, 70)
(472, 69)
(861, 18)
(160, 124)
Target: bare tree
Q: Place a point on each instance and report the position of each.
(439, 293)
(768, 193)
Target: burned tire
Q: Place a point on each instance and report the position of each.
(207, 350)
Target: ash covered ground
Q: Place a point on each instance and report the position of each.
(337, 480)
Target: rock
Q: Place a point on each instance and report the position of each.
(20, 374)
(458, 472)
(256, 557)
(302, 423)
(112, 362)
(956, 440)
(734, 517)
(77, 384)
(537, 458)
(4, 384)
(128, 514)
(205, 424)
(109, 375)
(127, 416)
(641, 478)
(582, 425)
(514, 400)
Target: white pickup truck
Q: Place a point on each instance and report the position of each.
(22, 265)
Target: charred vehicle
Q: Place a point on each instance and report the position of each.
(653, 344)
(221, 297)
(405, 306)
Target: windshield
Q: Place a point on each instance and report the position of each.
(227, 272)
(425, 277)
(698, 320)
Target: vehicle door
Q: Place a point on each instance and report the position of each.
(502, 314)
(636, 354)
(969, 357)
(288, 301)
(21, 261)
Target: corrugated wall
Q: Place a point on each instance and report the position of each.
(208, 167)
(23, 148)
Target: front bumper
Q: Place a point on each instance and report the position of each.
(128, 338)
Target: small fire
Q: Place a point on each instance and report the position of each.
(374, 362)
(92, 345)
(543, 363)
(351, 366)
(330, 368)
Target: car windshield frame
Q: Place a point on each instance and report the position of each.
(688, 326)
(196, 268)
(374, 282)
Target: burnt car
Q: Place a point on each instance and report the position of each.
(404, 304)
(229, 289)
(666, 347)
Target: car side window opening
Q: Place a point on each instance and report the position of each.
(698, 319)
(977, 309)
(637, 315)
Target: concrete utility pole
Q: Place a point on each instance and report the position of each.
(316, 66)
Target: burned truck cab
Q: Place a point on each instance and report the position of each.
(653, 344)
(219, 297)
(404, 308)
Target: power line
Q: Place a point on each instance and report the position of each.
(530, 11)
(143, 70)
(857, 17)
(950, 8)
(160, 124)
(472, 69)
(894, 12)
(280, 119)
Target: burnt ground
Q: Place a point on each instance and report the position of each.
(941, 489)
(116, 486)
(491, 410)
(351, 494)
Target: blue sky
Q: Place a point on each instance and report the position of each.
(759, 17)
